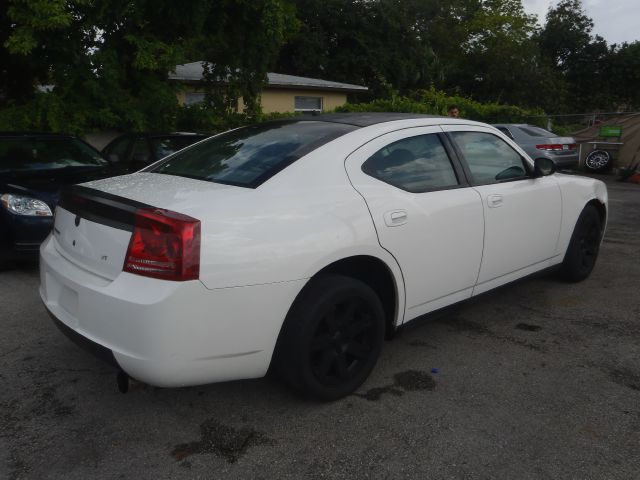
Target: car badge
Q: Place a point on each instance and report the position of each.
(77, 221)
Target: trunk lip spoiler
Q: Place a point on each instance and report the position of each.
(101, 207)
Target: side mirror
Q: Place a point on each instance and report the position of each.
(543, 167)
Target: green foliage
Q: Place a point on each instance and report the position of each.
(434, 102)
(109, 59)
(200, 118)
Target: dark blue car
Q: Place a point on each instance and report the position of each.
(33, 169)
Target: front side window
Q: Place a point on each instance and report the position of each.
(416, 164)
(490, 159)
(248, 156)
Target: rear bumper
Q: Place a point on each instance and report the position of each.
(166, 333)
(94, 348)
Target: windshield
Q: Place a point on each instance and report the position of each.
(26, 154)
(248, 156)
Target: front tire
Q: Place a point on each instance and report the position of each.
(584, 246)
(332, 337)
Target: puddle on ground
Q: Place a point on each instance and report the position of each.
(222, 440)
(408, 381)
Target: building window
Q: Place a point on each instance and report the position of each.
(308, 104)
(191, 98)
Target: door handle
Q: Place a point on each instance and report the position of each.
(494, 201)
(395, 218)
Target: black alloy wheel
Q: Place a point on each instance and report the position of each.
(584, 246)
(342, 342)
(332, 337)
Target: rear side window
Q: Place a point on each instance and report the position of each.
(490, 159)
(417, 164)
(249, 156)
(533, 131)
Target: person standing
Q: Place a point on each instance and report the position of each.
(453, 111)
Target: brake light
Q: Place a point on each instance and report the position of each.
(557, 146)
(164, 244)
(554, 146)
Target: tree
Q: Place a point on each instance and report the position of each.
(577, 58)
(109, 59)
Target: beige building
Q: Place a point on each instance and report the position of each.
(283, 93)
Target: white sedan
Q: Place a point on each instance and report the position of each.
(299, 244)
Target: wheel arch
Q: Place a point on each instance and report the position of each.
(383, 278)
(375, 273)
(600, 207)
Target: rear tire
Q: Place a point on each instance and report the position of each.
(598, 161)
(332, 337)
(584, 246)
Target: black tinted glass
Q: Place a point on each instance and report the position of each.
(537, 131)
(46, 153)
(248, 156)
(416, 164)
(490, 159)
(168, 145)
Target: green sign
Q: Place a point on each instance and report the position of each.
(610, 131)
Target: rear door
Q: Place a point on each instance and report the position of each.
(424, 212)
(522, 214)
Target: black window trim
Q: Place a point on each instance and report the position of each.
(465, 165)
(453, 159)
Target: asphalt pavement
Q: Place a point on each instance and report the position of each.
(538, 380)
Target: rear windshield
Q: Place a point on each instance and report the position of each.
(21, 154)
(537, 131)
(163, 146)
(249, 156)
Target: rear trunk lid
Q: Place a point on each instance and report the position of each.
(94, 221)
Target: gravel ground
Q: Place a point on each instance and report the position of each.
(540, 379)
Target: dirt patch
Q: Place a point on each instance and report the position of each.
(408, 381)
(222, 440)
(626, 377)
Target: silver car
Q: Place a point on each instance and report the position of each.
(538, 142)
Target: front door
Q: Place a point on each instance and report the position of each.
(522, 214)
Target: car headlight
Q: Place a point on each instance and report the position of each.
(21, 205)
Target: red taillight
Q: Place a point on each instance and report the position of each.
(557, 146)
(165, 245)
(554, 146)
